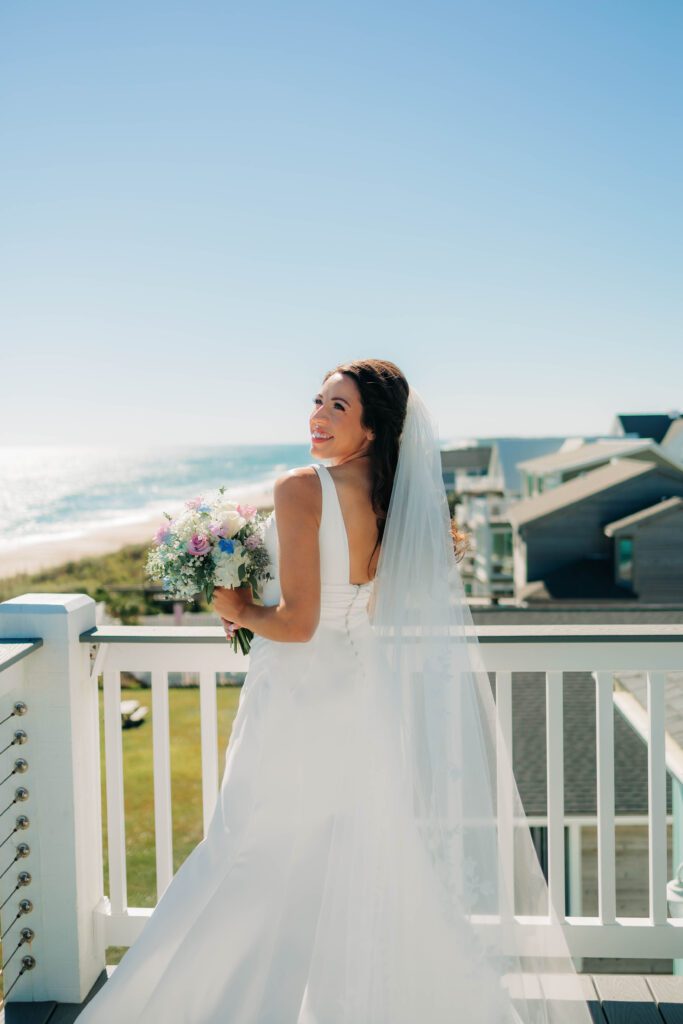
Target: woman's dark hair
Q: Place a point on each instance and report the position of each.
(383, 393)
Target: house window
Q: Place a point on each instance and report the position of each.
(625, 560)
(501, 542)
(501, 551)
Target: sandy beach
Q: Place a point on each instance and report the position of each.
(98, 541)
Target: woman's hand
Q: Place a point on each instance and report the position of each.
(229, 628)
(230, 602)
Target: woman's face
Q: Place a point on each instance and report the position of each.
(336, 414)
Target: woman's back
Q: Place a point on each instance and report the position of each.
(347, 530)
(352, 486)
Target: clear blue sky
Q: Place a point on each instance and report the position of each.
(206, 205)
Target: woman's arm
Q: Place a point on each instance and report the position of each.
(297, 498)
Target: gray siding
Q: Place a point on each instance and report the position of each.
(658, 558)
(576, 531)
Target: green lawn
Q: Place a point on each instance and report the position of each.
(186, 793)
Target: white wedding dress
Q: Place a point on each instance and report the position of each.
(267, 921)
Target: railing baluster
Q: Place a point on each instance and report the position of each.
(604, 728)
(656, 787)
(551, 649)
(555, 755)
(208, 714)
(575, 869)
(116, 822)
(163, 822)
(504, 784)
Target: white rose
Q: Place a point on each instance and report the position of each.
(219, 508)
(231, 522)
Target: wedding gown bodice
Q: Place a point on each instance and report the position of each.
(343, 605)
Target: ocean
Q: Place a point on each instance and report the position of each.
(60, 493)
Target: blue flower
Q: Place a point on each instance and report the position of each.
(226, 545)
(166, 582)
(204, 508)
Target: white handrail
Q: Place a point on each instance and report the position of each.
(59, 682)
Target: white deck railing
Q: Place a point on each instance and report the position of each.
(53, 655)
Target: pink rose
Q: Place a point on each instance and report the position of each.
(247, 511)
(194, 502)
(198, 544)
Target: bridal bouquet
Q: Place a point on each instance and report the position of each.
(209, 545)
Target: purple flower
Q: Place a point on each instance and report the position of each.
(162, 534)
(252, 541)
(198, 544)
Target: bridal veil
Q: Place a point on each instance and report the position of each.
(434, 878)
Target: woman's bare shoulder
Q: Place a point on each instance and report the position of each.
(353, 480)
(298, 487)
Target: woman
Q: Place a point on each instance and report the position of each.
(355, 838)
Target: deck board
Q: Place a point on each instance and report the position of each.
(612, 999)
(667, 990)
(626, 999)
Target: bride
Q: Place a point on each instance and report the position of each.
(359, 867)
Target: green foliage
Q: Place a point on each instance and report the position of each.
(127, 608)
(119, 579)
(103, 577)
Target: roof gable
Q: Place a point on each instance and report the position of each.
(646, 516)
(654, 425)
(579, 488)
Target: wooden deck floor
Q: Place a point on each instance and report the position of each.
(637, 998)
(613, 998)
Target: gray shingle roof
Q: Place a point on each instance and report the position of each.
(580, 785)
(528, 722)
(511, 450)
(636, 684)
(654, 425)
(585, 455)
(477, 457)
(576, 490)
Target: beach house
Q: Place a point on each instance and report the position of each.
(569, 541)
